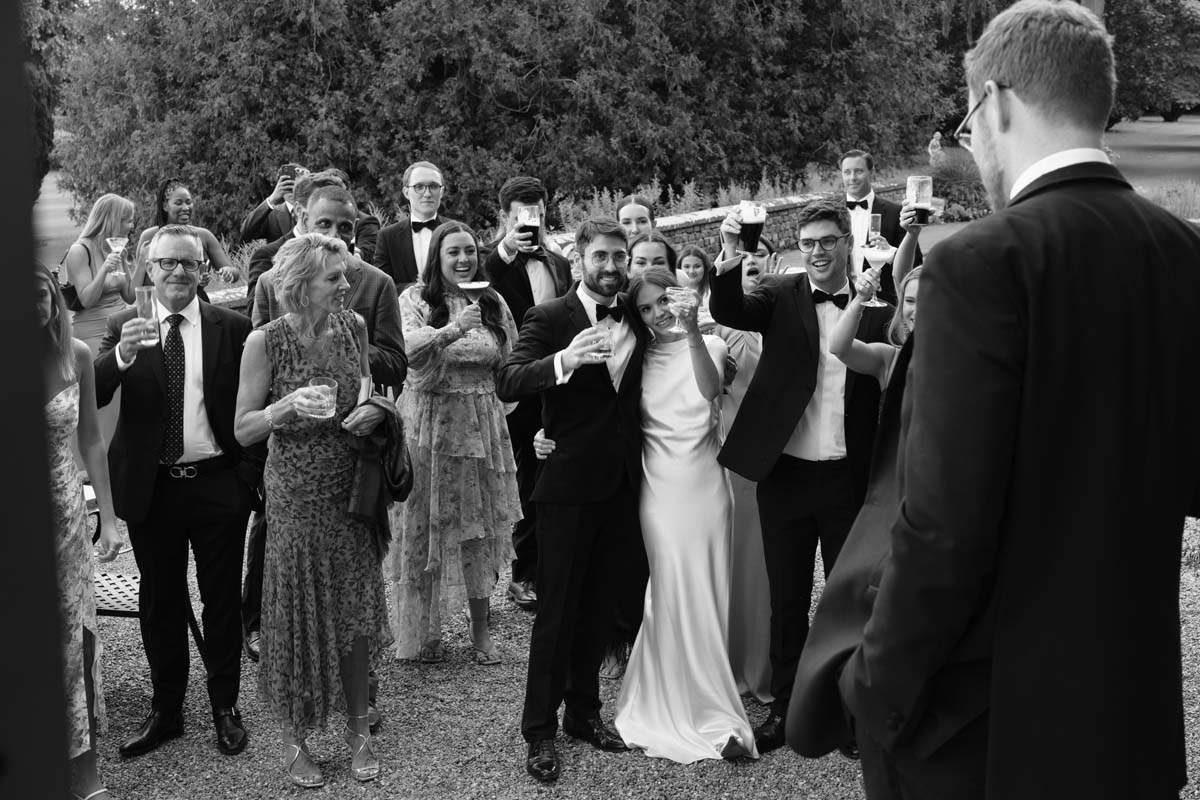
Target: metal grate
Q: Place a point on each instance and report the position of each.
(117, 594)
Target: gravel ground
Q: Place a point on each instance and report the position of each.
(452, 731)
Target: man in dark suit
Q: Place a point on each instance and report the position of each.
(1024, 641)
(179, 477)
(330, 210)
(806, 424)
(587, 513)
(858, 170)
(525, 273)
(403, 246)
(272, 218)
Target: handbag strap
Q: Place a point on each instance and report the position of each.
(63, 260)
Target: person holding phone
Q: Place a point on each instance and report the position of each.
(272, 218)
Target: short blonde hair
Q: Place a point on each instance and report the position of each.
(1056, 56)
(298, 262)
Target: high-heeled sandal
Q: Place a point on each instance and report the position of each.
(364, 766)
(310, 780)
(93, 795)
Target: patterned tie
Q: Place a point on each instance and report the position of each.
(172, 449)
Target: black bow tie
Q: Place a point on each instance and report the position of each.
(615, 311)
(853, 204)
(428, 224)
(839, 300)
(537, 253)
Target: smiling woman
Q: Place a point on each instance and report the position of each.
(173, 205)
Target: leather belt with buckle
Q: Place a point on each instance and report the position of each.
(196, 468)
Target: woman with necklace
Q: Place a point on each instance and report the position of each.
(324, 617)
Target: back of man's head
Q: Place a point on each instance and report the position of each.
(522, 189)
(1055, 56)
(307, 184)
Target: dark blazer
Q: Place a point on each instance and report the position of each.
(394, 252)
(262, 260)
(781, 309)
(1048, 457)
(512, 281)
(264, 222)
(133, 453)
(597, 429)
(817, 721)
(373, 295)
(889, 228)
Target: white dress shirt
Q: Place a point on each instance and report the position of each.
(199, 442)
(1063, 158)
(541, 282)
(860, 228)
(820, 435)
(623, 341)
(420, 241)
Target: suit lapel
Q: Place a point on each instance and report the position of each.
(354, 277)
(524, 287)
(802, 297)
(210, 338)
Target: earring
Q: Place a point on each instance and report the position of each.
(304, 301)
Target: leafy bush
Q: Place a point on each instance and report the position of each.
(956, 178)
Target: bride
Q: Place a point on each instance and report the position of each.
(679, 699)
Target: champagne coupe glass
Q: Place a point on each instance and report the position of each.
(876, 257)
(682, 296)
(474, 289)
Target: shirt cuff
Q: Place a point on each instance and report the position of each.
(721, 267)
(561, 376)
(505, 256)
(122, 364)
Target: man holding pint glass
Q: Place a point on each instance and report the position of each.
(525, 273)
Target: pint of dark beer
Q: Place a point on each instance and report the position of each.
(920, 195)
(754, 216)
(529, 220)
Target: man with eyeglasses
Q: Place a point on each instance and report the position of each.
(582, 356)
(806, 425)
(858, 170)
(180, 478)
(1024, 637)
(402, 247)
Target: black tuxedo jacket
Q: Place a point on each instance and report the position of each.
(262, 260)
(133, 453)
(394, 252)
(817, 721)
(781, 309)
(512, 281)
(889, 228)
(597, 428)
(1047, 460)
(264, 222)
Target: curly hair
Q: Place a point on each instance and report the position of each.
(298, 262)
(433, 290)
(160, 200)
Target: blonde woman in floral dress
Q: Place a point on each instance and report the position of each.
(455, 529)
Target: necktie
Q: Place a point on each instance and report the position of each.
(839, 300)
(615, 311)
(428, 224)
(853, 204)
(172, 448)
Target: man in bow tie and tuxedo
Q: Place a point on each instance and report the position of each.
(179, 477)
(858, 169)
(806, 425)
(403, 246)
(525, 274)
(588, 534)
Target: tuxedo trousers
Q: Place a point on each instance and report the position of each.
(585, 555)
(523, 423)
(209, 513)
(802, 505)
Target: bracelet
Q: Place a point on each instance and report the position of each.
(270, 418)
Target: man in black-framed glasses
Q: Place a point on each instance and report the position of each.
(403, 246)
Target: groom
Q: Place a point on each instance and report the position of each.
(588, 536)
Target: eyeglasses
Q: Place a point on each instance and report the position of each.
(425, 188)
(601, 257)
(827, 243)
(962, 134)
(188, 264)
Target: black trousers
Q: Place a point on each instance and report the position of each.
(584, 555)
(801, 504)
(256, 554)
(523, 423)
(209, 512)
(955, 771)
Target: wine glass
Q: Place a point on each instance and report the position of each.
(876, 257)
(682, 296)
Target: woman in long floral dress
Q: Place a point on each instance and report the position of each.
(455, 529)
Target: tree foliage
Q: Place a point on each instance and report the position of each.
(1157, 47)
(583, 93)
(43, 32)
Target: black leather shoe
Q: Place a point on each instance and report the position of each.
(523, 594)
(374, 720)
(594, 731)
(542, 761)
(734, 749)
(231, 736)
(250, 644)
(158, 728)
(771, 734)
(850, 750)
